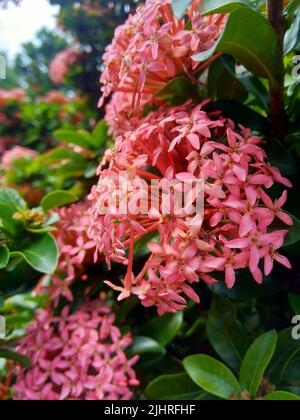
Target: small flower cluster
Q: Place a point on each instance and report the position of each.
(185, 143)
(76, 249)
(12, 95)
(153, 47)
(77, 356)
(13, 155)
(60, 65)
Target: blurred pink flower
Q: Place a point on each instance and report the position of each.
(77, 356)
(15, 154)
(60, 65)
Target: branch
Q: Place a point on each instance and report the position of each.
(277, 100)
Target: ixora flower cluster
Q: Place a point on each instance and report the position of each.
(60, 65)
(153, 47)
(76, 250)
(77, 356)
(182, 144)
(13, 155)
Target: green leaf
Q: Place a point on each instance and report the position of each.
(294, 233)
(10, 202)
(180, 87)
(56, 199)
(222, 84)
(4, 257)
(295, 303)
(292, 35)
(78, 138)
(281, 396)
(144, 345)
(286, 351)
(164, 329)
(240, 114)
(100, 134)
(173, 387)
(252, 41)
(222, 6)
(10, 355)
(41, 254)
(257, 360)
(179, 7)
(212, 376)
(226, 335)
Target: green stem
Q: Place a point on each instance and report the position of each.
(278, 118)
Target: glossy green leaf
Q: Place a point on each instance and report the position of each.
(292, 36)
(251, 40)
(294, 233)
(212, 376)
(41, 253)
(144, 345)
(295, 303)
(10, 202)
(4, 256)
(100, 134)
(180, 87)
(179, 7)
(56, 199)
(225, 333)
(287, 350)
(281, 396)
(16, 357)
(74, 137)
(222, 6)
(164, 329)
(173, 387)
(257, 360)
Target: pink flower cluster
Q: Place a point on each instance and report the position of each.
(76, 249)
(6, 142)
(60, 65)
(185, 143)
(153, 47)
(12, 95)
(56, 98)
(15, 154)
(77, 356)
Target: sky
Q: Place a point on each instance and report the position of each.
(19, 24)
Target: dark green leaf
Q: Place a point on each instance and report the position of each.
(143, 345)
(56, 199)
(41, 254)
(100, 134)
(212, 376)
(4, 256)
(173, 387)
(179, 7)
(225, 334)
(281, 396)
(180, 87)
(295, 303)
(164, 329)
(287, 349)
(292, 36)
(251, 40)
(294, 233)
(10, 355)
(257, 360)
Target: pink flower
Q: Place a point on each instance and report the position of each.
(13, 155)
(61, 64)
(153, 47)
(183, 145)
(76, 248)
(13, 95)
(77, 356)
